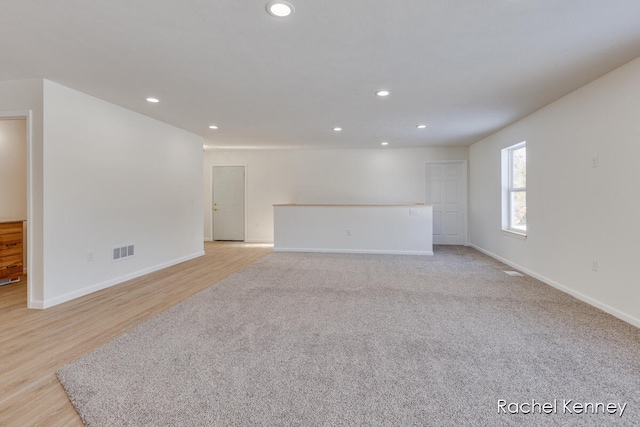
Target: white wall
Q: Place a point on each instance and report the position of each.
(114, 177)
(376, 229)
(575, 213)
(380, 175)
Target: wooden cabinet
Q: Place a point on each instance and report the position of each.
(11, 251)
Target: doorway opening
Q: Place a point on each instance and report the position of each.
(15, 150)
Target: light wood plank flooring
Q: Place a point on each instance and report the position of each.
(35, 343)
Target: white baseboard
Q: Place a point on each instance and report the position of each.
(36, 304)
(353, 251)
(39, 304)
(247, 240)
(579, 295)
(252, 240)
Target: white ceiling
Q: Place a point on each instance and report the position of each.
(464, 67)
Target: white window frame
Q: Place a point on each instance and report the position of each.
(508, 190)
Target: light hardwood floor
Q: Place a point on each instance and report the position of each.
(35, 343)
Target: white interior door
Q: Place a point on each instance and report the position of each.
(446, 190)
(228, 203)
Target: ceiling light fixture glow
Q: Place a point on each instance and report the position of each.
(213, 127)
(382, 93)
(153, 100)
(421, 126)
(337, 129)
(279, 9)
(384, 143)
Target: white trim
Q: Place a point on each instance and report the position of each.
(27, 115)
(36, 305)
(514, 234)
(247, 240)
(112, 282)
(353, 251)
(252, 240)
(579, 295)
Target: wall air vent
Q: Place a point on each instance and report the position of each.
(123, 252)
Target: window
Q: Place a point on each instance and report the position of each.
(514, 188)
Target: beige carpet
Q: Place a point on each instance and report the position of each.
(366, 340)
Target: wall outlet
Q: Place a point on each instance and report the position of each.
(594, 162)
(594, 264)
(413, 211)
(90, 256)
(348, 232)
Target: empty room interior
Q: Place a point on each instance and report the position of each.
(319, 213)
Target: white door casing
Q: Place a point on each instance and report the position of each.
(446, 190)
(228, 203)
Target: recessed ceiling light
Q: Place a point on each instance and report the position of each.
(213, 127)
(337, 129)
(153, 100)
(279, 9)
(382, 93)
(384, 143)
(421, 126)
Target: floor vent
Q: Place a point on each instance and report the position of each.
(123, 252)
(513, 273)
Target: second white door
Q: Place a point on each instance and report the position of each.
(446, 190)
(228, 203)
